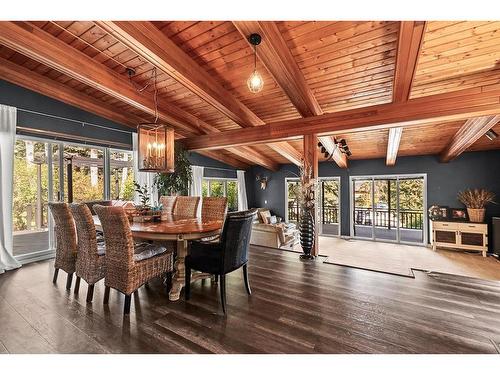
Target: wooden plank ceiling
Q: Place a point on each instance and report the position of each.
(337, 66)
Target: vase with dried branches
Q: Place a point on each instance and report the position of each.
(475, 200)
(306, 196)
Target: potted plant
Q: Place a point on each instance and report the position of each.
(176, 183)
(305, 193)
(475, 200)
(145, 212)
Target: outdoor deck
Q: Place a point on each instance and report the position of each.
(26, 242)
(406, 235)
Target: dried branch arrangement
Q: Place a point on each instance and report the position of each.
(476, 198)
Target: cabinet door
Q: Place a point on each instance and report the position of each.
(445, 236)
(472, 239)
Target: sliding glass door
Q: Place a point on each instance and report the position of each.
(385, 209)
(329, 206)
(36, 182)
(292, 212)
(389, 208)
(362, 198)
(51, 171)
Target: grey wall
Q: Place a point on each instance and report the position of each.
(444, 180)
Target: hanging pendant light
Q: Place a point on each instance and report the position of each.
(255, 82)
(156, 143)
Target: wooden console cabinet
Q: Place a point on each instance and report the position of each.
(460, 235)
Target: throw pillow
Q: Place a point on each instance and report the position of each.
(264, 215)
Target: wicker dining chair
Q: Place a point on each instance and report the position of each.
(90, 263)
(186, 206)
(213, 208)
(129, 265)
(225, 256)
(66, 247)
(168, 203)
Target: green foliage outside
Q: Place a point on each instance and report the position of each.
(25, 192)
(232, 195)
(25, 180)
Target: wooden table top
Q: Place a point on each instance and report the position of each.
(172, 226)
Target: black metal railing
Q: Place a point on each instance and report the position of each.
(408, 219)
(293, 212)
(330, 213)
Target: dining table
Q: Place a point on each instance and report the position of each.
(174, 228)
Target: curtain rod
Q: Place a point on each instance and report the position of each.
(83, 123)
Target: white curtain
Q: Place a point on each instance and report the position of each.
(143, 178)
(196, 185)
(8, 118)
(242, 191)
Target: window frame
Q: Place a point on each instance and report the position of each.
(224, 181)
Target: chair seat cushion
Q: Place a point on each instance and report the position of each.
(205, 257)
(145, 251)
(101, 248)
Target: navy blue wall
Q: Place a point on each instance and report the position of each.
(22, 98)
(444, 180)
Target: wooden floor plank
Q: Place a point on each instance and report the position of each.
(295, 307)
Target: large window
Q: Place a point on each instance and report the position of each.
(84, 173)
(50, 171)
(217, 187)
(122, 175)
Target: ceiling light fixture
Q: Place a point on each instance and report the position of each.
(156, 141)
(340, 145)
(255, 82)
(491, 135)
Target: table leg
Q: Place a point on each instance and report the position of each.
(178, 278)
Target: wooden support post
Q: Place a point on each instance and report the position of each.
(311, 161)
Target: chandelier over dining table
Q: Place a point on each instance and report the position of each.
(156, 148)
(156, 141)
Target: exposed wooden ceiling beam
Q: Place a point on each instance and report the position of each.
(330, 146)
(46, 49)
(411, 35)
(467, 135)
(254, 157)
(288, 151)
(54, 53)
(458, 105)
(153, 46)
(30, 80)
(393, 145)
(274, 53)
(279, 61)
(227, 159)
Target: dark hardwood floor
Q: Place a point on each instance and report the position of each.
(295, 308)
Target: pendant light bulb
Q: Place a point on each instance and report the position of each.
(255, 82)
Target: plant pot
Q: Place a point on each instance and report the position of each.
(476, 215)
(306, 228)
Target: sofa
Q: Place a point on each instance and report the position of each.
(265, 232)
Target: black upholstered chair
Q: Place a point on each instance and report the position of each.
(225, 256)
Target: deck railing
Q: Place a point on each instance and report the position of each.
(408, 219)
(329, 213)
